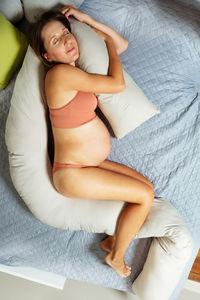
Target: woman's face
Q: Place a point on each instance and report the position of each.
(60, 44)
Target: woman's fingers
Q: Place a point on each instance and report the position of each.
(64, 9)
(69, 10)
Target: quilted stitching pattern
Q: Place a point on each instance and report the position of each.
(163, 59)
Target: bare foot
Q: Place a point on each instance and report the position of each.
(108, 243)
(118, 266)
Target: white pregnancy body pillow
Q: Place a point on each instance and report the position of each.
(26, 137)
(126, 110)
(168, 255)
(31, 173)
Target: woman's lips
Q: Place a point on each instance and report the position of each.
(70, 50)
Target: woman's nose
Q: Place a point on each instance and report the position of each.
(66, 39)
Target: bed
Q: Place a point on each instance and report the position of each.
(163, 58)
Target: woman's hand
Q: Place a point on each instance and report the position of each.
(69, 11)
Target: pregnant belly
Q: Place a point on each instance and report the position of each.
(91, 153)
(88, 144)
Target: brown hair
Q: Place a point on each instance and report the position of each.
(35, 29)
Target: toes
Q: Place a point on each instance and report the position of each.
(126, 275)
(128, 270)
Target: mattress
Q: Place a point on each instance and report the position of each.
(163, 58)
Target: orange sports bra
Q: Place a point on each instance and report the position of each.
(79, 111)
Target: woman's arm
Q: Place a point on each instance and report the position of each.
(68, 77)
(121, 44)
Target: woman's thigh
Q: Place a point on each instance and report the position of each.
(98, 183)
(119, 168)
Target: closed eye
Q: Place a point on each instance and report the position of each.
(55, 41)
(65, 32)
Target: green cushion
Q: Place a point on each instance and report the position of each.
(13, 46)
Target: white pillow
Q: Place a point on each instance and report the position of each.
(35, 8)
(31, 171)
(168, 255)
(125, 111)
(12, 10)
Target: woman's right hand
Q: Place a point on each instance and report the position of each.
(70, 11)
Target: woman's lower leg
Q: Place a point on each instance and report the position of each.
(130, 221)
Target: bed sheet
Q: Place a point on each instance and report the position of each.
(164, 60)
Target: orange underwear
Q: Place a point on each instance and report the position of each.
(58, 166)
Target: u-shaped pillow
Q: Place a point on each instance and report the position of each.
(31, 172)
(27, 139)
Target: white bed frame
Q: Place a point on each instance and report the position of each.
(58, 282)
(36, 275)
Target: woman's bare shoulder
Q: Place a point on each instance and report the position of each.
(57, 84)
(57, 72)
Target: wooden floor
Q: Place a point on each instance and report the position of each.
(195, 272)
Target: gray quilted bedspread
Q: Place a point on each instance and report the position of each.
(164, 60)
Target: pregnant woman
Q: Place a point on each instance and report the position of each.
(81, 140)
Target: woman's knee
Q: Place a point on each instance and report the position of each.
(147, 196)
(151, 185)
